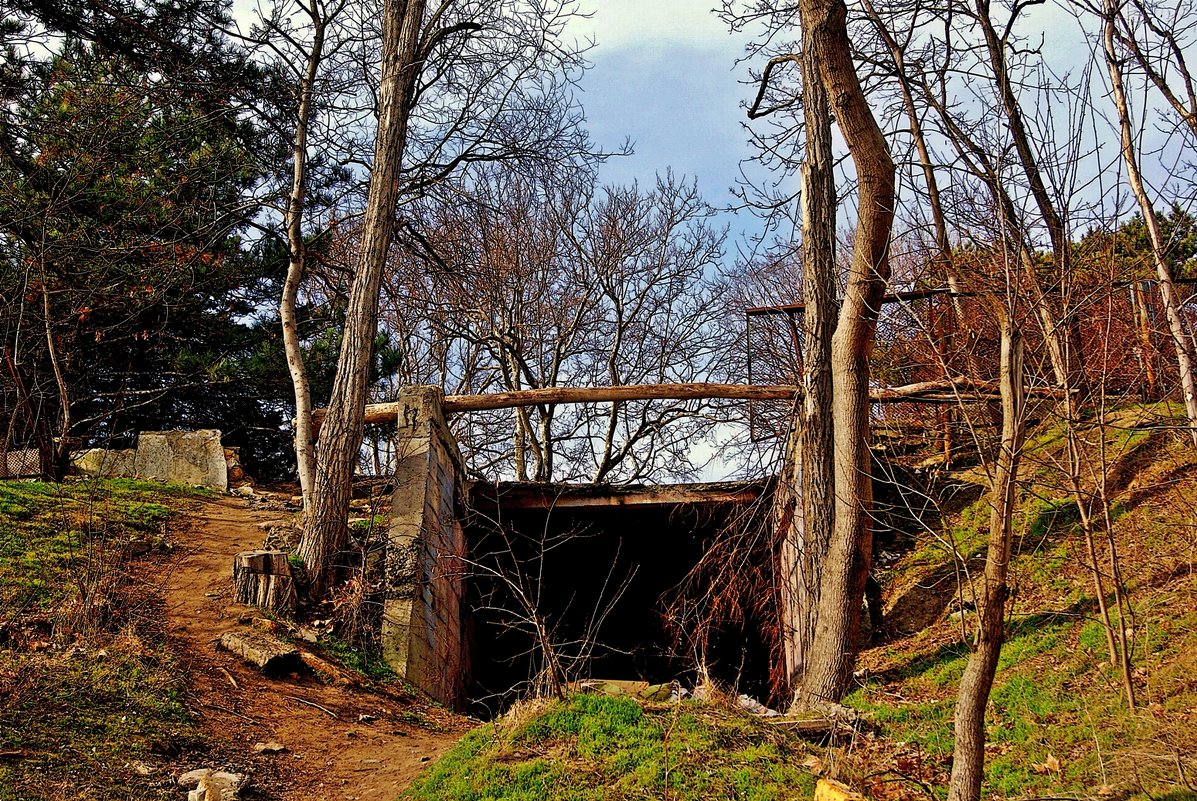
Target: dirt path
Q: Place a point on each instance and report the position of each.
(327, 758)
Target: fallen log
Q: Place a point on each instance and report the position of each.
(547, 396)
(329, 672)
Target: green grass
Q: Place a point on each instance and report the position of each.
(599, 748)
(964, 540)
(83, 720)
(51, 534)
(926, 723)
(368, 662)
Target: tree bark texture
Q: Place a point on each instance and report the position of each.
(845, 567)
(263, 579)
(804, 508)
(968, 765)
(325, 527)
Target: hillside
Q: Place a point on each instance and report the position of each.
(600, 748)
(114, 591)
(1058, 723)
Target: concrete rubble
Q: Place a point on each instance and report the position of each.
(184, 457)
(213, 785)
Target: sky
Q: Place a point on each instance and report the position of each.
(664, 75)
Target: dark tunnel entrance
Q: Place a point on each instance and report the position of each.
(632, 583)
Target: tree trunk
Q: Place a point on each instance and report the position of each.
(1186, 359)
(305, 454)
(846, 566)
(968, 764)
(58, 465)
(943, 258)
(326, 520)
(804, 509)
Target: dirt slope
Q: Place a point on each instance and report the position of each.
(327, 757)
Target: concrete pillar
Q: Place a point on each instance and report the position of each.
(422, 633)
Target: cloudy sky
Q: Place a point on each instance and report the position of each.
(664, 76)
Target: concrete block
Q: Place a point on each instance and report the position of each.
(105, 463)
(186, 457)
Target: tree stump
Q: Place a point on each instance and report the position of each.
(263, 579)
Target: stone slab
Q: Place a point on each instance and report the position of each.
(185, 457)
(104, 463)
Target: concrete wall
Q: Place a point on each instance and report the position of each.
(185, 457)
(422, 632)
(104, 462)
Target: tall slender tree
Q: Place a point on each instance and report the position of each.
(460, 81)
(823, 634)
(1113, 40)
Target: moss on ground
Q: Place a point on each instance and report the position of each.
(601, 748)
(53, 535)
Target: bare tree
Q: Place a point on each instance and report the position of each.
(1112, 36)
(1155, 34)
(968, 763)
(312, 56)
(539, 280)
(843, 568)
(325, 524)
(460, 81)
(804, 509)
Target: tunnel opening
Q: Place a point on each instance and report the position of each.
(651, 584)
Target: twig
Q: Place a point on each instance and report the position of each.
(229, 676)
(903, 777)
(313, 704)
(231, 712)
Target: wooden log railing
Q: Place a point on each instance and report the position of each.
(942, 391)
